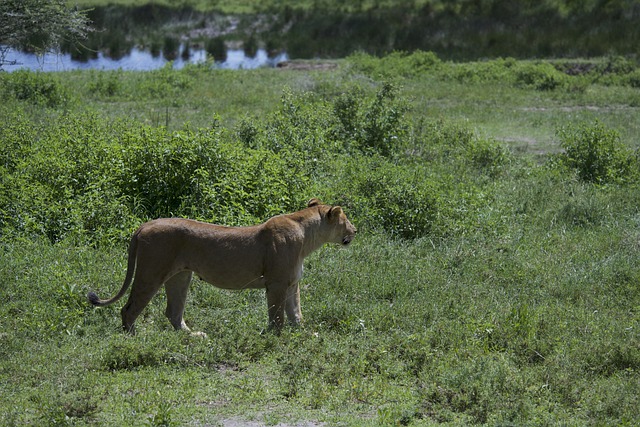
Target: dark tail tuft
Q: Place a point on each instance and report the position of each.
(93, 298)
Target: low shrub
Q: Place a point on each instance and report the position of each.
(85, 177)
(166, 83)
(105, 83)
(298, 130)
(16, 134)
(96, 180)
(308, 128)
(543, 76)
(402, 204)
(597, 154)
(371, 125)
(37, 88)
(395, 64)
(457, 145)
(633, 79)
(410, 203)
(488, 156)
(499, 70)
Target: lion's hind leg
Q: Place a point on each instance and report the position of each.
(142, 292)
(177, 288)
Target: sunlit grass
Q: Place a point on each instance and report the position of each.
(526, 119)
(470, 330)
(518, 306)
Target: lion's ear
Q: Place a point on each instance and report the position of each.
(334, 212)
(313, 202)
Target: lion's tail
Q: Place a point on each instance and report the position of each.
(131, 266)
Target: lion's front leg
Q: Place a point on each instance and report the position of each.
(292, 304)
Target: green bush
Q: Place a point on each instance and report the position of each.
(402, 204)
(371, 125)
(457, 146)
(166, 83)
(83, 176)
(597, 154)
(411, 203)
(442, 137)
(612, 71)
(617, 65)
(16, 134)
(36, 88)
(298, 130)
(543, 76)
(308, 128)
(488, 156)
(95, 180)
(499, 70)
(633, 79)
(395, 64)
(536, 75)
(105, 83)
(383, 126)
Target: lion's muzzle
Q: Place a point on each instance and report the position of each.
(346, 240)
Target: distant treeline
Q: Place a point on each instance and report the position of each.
(456, 29)
(462, 7)
(471, 29)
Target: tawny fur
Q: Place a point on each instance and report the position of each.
(269, 255)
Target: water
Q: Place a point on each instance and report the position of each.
(474, 32)
(138, 60)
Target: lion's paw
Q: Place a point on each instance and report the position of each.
(198, 334)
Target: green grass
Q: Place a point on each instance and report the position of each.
(455, 333)
(490, 283)
(526, 119)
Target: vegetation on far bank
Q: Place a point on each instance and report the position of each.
(561, 7)
(460, 30)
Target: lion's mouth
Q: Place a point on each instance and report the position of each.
(346, 240)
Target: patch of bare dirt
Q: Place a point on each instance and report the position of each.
(570, 109)
(236, 422)
(307, 65)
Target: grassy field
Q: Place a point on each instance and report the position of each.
(494, 278)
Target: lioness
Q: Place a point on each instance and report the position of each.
(269, 255)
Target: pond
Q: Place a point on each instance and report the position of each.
(140, 59)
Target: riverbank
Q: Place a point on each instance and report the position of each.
(459, 31)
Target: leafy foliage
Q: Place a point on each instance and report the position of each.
(395, 64)
(597, 154)
(36, 87)
(540, 76)
(106, 84)
(39, 25)
(572, 76)
(85, 177)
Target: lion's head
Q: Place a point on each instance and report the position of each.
(343, 231)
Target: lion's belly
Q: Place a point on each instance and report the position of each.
(238, 282)
(230, 275)
(225, 261)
